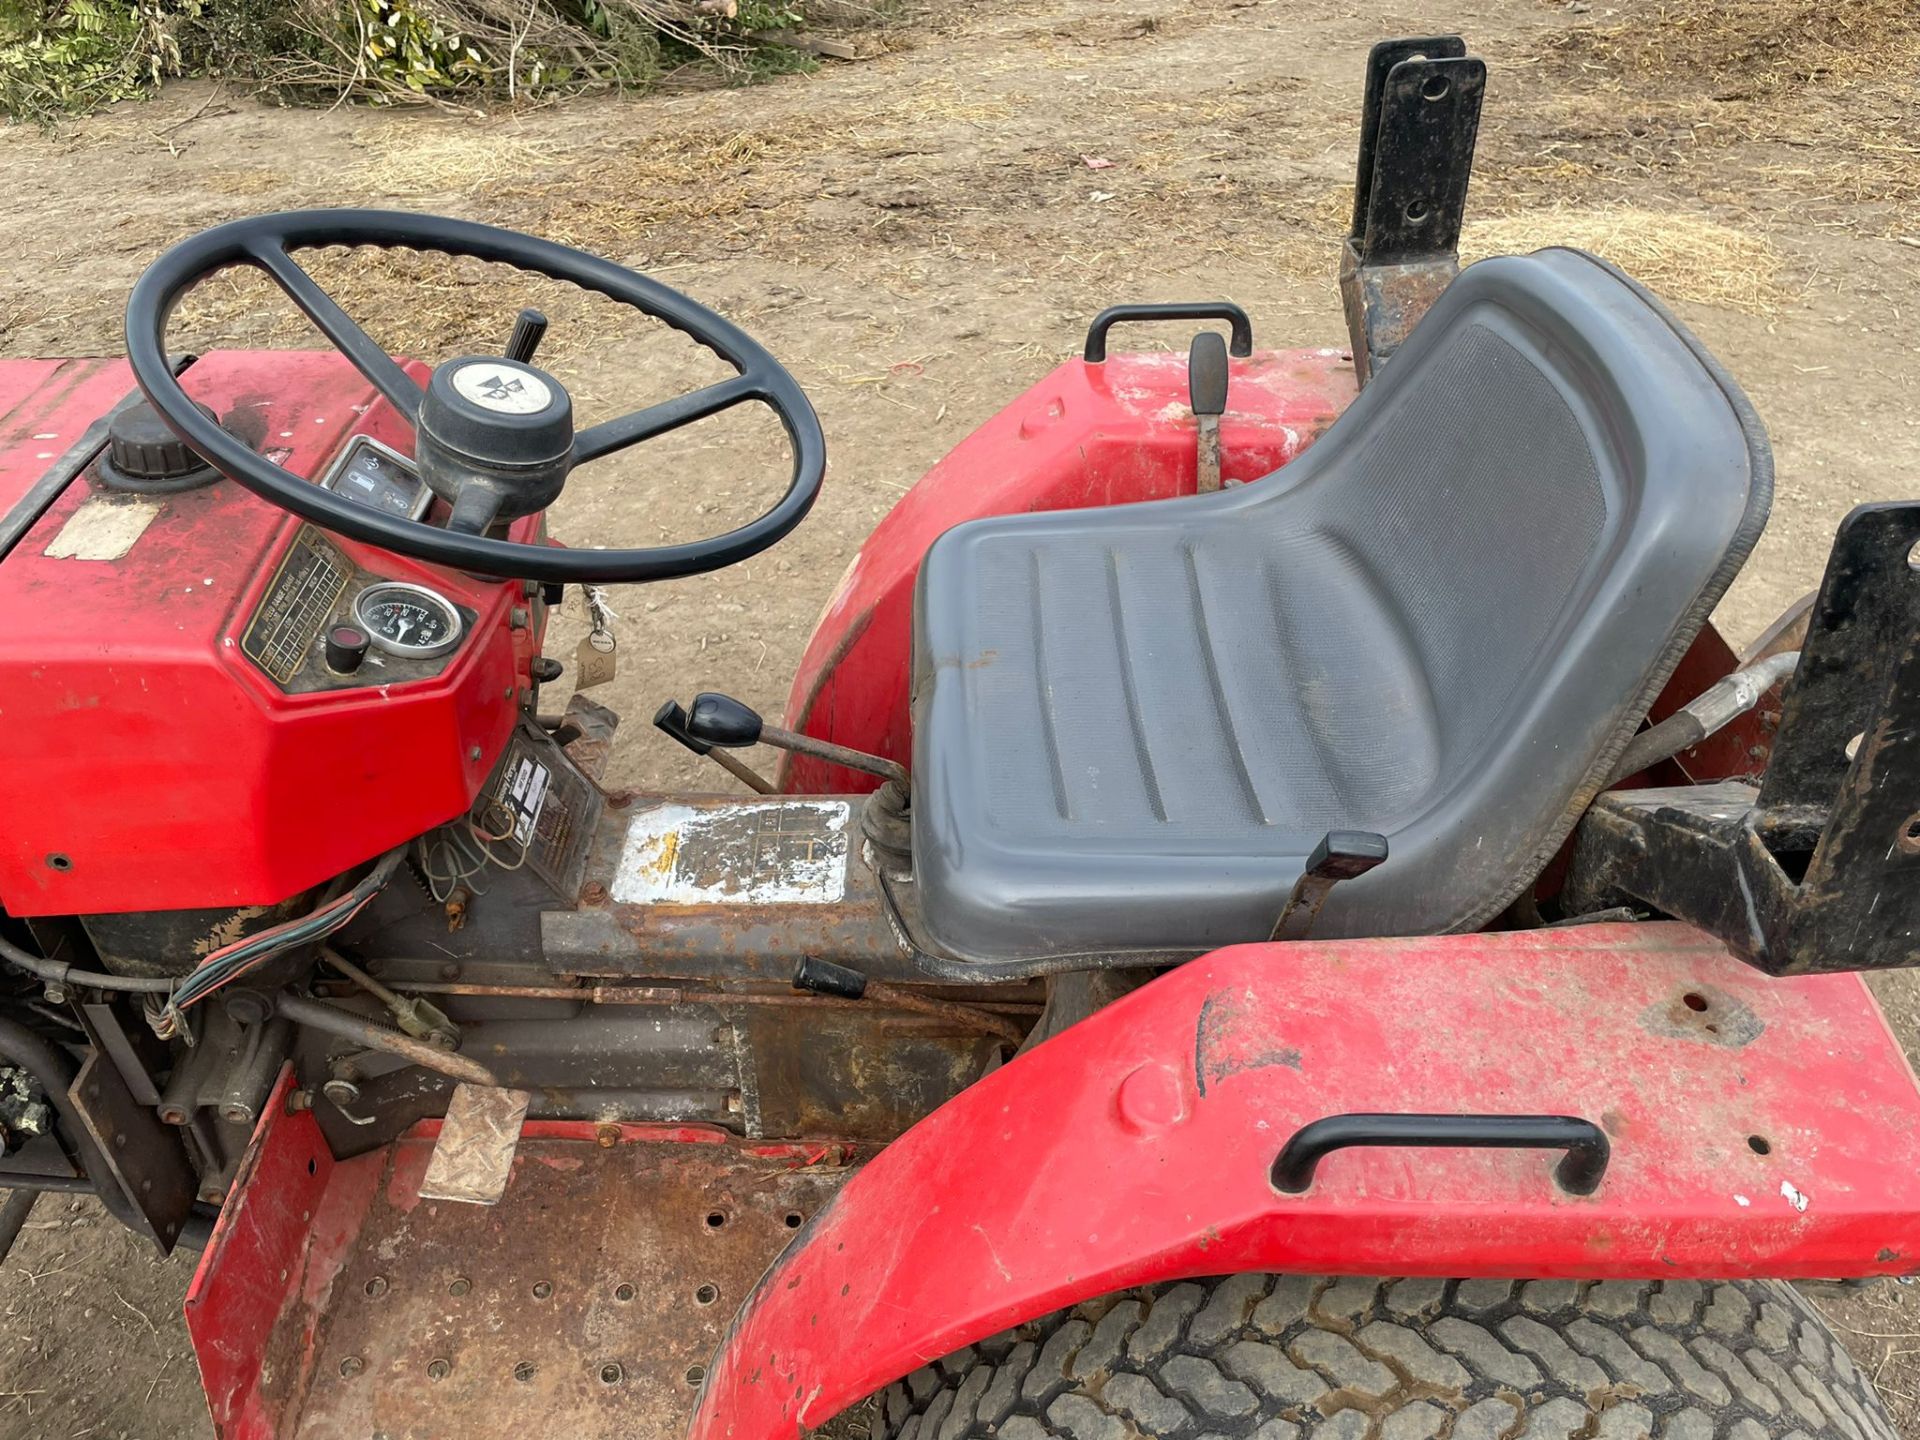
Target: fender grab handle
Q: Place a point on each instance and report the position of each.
(1579, 1173)
(1241, 327)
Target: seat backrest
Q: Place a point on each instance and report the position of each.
(1537, 504)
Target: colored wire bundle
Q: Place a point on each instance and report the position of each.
(230, 962)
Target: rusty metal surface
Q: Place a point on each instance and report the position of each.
(473, 1158)
(740, 938)
(841, 1072)
(1419, 120)
(584, 1305)
(143, 1158)
(1384, 302)
(592, 747)
(1815, 871)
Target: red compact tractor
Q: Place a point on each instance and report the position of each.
(1279, 917)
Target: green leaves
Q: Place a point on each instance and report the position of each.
(65, 55)
(62, 56)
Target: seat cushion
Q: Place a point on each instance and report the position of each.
(1441, 623)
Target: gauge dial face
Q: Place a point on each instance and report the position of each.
(408, 620)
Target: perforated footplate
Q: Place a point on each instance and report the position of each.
(585, 1304)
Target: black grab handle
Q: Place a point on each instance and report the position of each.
(1578, 1174)
(1236, 318)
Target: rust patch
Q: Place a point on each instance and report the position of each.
(1705, 1014)
(587, 1303)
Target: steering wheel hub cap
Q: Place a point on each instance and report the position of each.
(503, 387)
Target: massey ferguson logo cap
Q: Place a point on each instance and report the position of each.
(504, 389)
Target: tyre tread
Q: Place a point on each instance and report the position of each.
(1255, 1357)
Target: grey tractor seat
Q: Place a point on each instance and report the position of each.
(1442, 623)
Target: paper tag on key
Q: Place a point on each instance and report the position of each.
(593, 662)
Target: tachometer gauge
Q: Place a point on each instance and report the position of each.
(408, 620)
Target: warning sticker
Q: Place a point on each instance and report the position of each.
(770, 852)
(523, 794)
(537, 801)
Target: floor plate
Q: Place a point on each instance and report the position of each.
(586, 1303)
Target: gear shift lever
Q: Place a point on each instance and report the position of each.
(715, 720)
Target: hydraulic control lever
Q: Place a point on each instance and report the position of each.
(721, 721)
(1207, 395)
(671, 719)
(1340, 855)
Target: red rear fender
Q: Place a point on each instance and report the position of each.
(1758, 1127)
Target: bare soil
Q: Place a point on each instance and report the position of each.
(921, 235)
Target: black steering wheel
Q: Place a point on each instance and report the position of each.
(493, 436)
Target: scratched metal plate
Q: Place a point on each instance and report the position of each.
(585, 1304)
(473, 1158)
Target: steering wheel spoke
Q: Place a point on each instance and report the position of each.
(369, 357)
(611, 435)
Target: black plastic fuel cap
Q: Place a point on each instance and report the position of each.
(144, 456)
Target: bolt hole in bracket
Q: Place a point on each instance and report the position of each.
(1419, 121)
(1578, 1173)
(1817, 869)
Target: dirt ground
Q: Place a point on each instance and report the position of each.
(922, 234)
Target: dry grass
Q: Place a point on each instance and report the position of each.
(1683, 257)
(680, 186)
(432, 306)
(417, 157)
(1755, 47)
(1744, 87)
(1731, 103)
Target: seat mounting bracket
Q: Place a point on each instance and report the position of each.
(1818, 868)
(1418, 125)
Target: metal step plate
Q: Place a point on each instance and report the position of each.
(586, 1303)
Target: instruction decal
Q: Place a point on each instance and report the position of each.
(768, 852)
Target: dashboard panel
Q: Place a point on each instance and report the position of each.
(176, 736)
(410, 631)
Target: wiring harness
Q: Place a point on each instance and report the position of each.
(229, 962)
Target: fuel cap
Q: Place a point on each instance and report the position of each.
(144, 456)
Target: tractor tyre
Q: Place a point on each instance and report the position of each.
(1264, 1357)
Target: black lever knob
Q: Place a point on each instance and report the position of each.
(529, 328)
(722, 720)
(1207, 374)
(671, 719)
(823, 977)
(346, 648)
(1340, 855)
(1346, 854)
